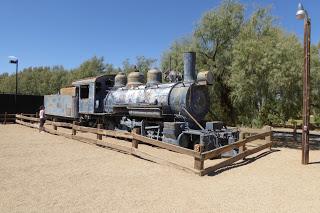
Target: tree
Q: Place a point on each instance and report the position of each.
(215, 36)
(175, 54)
(265, 78)
(315, 80)
(126, 66)
(90, 68)
(7, 83)
(142, 64)
(213, 41)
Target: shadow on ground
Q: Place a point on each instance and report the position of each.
(294, 144)
(246, 161)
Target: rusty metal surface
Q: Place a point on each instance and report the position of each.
(61, 105)
(142, 95)
(170, 97)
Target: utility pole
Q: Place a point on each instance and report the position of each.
(302, 14)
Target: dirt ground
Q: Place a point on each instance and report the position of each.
(40, 172)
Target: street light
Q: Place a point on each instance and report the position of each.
(14, 60)
(303, 14)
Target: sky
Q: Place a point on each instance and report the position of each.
(68, 32)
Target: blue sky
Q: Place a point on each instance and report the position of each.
(67, 32)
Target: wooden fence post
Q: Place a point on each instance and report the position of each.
(99, 136)
(135, 142)
(53, 124)
(268, 138)
(198, 162)
(5, 118)
(295, 132)
(19, 119)
(74, 131)
(241, 137)
(37, 114)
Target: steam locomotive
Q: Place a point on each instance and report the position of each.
(173, 112)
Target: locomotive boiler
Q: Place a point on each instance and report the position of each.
(173, 112)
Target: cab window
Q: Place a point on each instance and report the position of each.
(84, 91)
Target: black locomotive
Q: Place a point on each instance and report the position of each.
(173, 112)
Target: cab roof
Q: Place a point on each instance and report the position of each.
(86, 81)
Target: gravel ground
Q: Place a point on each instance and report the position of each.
(40, 172)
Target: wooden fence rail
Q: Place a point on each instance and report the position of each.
(7, 118)
(216, 152)
(198, 154)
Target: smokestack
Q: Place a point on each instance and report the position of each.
(189, 66)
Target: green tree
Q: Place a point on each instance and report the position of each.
(90, 68)
(265, 78)
(175, 54)
(315, 80)
(215, 36)
(213, 41)
(143, 64)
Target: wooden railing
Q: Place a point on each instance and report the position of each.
(198, 154)
(243, 151)
(7, 118)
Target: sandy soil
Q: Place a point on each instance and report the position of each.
(47, 173)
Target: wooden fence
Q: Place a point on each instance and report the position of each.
(7, 118)
(312, 126)
(11, 118)
(135, 138)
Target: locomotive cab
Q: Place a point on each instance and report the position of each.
(92, 92)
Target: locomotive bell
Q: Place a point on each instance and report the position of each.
(135, 79)
(120, 80)
(154, 76)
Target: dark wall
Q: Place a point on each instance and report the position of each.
(25, 103)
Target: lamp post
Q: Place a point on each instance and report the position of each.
(14, 60)
(302, 14)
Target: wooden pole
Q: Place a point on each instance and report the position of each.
(53, 124)
(198, 162)
(99, 136)
(268, 138)
(306, 93)
(243, 147)
(5, 118)
(295, 132)
(74, 131)
(135, 142)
